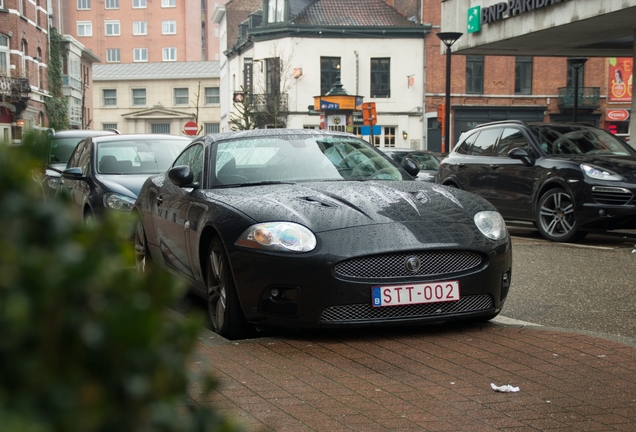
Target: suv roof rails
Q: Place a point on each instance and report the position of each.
(114, 130)
(501, 122)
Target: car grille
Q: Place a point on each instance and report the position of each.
(393, 265)
(611, 195)
(366, 312)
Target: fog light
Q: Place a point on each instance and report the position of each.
(274, 292)
(505, 285)
(601, 212)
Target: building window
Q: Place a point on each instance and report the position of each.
(380, 77)
(389, 136)
(523, 75)
(181, 96)
(4, 55)
(329, 73)
(168, 3)
(83, 4)
(475, 74)
(212, 95)
(138, 4)
(139, 97)
(112, 4)
(276, 11)
(140, 28)
(84, 28)
(109, 97)
(168, 27)
(160, 128)
(272, 75)
(106, 126)
(570, 76)
(112, 55)
(169, 54)
(112, 28)
(140, 54)
(211, 128)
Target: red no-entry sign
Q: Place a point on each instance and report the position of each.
(191, 128)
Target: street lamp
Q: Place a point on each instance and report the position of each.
(576, 63)
(449, 38)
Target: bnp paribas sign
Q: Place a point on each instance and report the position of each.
(478, 15)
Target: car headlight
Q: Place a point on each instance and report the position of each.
(53, 182)
(491, 224)
(278, 236)
(599, 173)
(118, 202)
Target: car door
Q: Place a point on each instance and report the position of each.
(170, 211)
(513, 182)
(79, 189)
(474, 169)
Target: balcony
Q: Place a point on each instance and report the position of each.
(15, 89)
(589, 98)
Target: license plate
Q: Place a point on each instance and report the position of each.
(433, 292)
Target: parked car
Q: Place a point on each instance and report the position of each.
(106, 172)
(56, 147)
(307, 228)
(567, 179)
(426, 160)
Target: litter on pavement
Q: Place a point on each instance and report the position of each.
(507, 388)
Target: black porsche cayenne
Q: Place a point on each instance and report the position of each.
(568, 179)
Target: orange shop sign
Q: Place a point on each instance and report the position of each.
(616, 114)
(620, 79)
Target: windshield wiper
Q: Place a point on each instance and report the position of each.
(258, 183)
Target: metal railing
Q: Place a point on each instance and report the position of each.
(15, 88)
(588, 97)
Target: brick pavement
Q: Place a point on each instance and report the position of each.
(424, 379)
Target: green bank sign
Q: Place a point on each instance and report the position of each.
(478, 16)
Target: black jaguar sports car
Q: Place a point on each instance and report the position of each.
(305, 228)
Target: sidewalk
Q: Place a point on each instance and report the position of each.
(435, 378)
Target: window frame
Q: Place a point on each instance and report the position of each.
(134, 98)
(330, 70)
(111, 4)
(168, 3)
(172, 51)
(176, 97)
(139, 4)
(213, 98)
(380, 76)
(523, 75)
(114, 26)
(169, 27)
(112, 52)
(83, 4)
(140, 51)
(140, 28)
(475, 68)
(106, 98)
(86, 25)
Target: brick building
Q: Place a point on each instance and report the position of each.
(23, 73)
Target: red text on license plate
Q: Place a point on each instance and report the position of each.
(395, 295)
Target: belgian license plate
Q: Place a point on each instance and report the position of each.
(432, 292)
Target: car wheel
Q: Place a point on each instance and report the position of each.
(224, 308)
(555, 217)
(142, 254)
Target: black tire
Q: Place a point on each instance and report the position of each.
(143, 260)
(555, 217)
(224, 308)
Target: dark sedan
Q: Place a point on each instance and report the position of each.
(306, 228)
(106, 172)
(567, 179)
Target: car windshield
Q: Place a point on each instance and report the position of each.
(138, 156)
(297, 159)
(577, 140)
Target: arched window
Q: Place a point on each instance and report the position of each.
(40, 69)
(25, 51)
(4, 55)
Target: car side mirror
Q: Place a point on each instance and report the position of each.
(410, 166)
(522, 155)
(74, 173)
(182, 176)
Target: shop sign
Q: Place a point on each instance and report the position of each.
(478, 15)
(620, 79)
(616, 115)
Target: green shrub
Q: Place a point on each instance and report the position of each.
(86, 344)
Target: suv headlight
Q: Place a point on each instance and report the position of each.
(491, 224)
(118, 202)
(599, 173)
(278, 236)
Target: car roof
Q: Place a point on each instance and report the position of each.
(128, 137)
(221, 136)
(79, 133)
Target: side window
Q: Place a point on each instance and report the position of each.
(464, 147)
(75, 157)
(512, 138)
(192, 157)
(484, 145)
(85, 159)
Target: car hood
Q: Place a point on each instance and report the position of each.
(128, 185)
(325, 206)
(622, 165)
